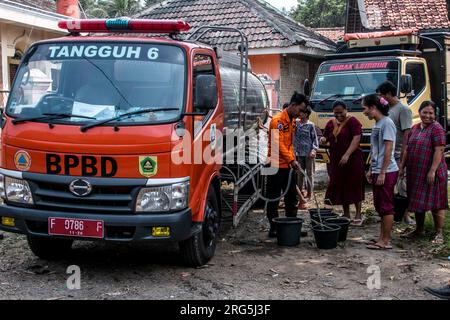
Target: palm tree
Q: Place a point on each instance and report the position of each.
(122, 8)
(93, 8)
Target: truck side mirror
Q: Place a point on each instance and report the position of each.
(2, 118)
(406, 84)
(306, 88)
(205, 95)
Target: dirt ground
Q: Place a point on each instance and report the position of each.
(247, 265)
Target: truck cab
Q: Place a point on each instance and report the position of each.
(113, 137)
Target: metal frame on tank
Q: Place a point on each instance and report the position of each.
(238, 200)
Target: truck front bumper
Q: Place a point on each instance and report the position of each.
(118, 228)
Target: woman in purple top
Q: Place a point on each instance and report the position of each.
(426, 171)
(346, 169)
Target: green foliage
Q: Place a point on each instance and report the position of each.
(149, 3)
(122, 8)
(320, 13)
(112, 8)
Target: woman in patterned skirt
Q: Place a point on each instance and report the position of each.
(426, 171)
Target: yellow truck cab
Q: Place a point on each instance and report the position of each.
(415, 63)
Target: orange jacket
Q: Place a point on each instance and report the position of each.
(281, 130)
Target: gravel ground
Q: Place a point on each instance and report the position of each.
(247, 265)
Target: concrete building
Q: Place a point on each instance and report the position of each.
(23, 22)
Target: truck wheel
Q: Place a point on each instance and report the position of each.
(199, 249)
(48, 248)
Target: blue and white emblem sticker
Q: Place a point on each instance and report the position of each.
(22, 160)
(280, 127)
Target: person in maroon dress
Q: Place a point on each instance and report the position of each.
(426, 171)
(346, 168)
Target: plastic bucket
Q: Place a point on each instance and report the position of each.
(400, 207)
(326, 236)
(315, 220)
(323, 211)
(288, 231)
(343, 223)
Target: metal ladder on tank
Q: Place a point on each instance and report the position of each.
(233, 200)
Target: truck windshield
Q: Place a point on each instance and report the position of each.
(100, 81)
(352, 80)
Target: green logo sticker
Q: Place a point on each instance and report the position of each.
(148, 166)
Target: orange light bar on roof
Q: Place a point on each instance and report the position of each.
(380, 34)
(124, 25)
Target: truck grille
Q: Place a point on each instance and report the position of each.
(108, 196)
(365, 139)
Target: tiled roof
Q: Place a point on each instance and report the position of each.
(265, 26)
(47, 5)
(403, 14)
(334, 34)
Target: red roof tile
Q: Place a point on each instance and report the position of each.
(334, 34)
(265, 26)
(402, 14)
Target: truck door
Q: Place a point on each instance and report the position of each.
(205, 132)
(421, 90)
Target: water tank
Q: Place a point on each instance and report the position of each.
(257, 101)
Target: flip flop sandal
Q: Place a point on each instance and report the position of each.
(357, 223)
(372, 241)
(438, 239)
(302, 206)
(378, 247)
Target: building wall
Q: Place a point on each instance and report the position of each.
(353, 23)
(268, 65)
(15, 37)
(288, 73)
(294, 70)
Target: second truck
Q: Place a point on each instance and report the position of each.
(417, 63)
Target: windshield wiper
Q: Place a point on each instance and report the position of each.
(50, 116)
(337, 95)
(124, 115)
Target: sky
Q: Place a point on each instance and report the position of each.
(288, 4)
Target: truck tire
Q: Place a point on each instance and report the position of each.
(49, 248)
(199, 249)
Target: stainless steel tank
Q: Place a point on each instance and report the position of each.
(257, 101)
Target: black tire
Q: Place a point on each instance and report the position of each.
(200, 248)
(49, 248)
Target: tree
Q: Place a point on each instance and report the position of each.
(149, 3)
(320, 13)
(110, 8)
(122, 8)
(94, 8)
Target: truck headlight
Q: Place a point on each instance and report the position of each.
(164, 198)
(17, 190)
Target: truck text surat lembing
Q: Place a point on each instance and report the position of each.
(417, 63)
(111, 138)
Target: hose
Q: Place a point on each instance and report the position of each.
(267, 200)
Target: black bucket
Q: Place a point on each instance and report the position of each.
(326, 236)
(400, 207)
(315, 220)
(343, 223)
(323, 211)
(289, 230)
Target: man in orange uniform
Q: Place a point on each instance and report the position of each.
(281, 138)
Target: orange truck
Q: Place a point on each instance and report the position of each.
(108, 134)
